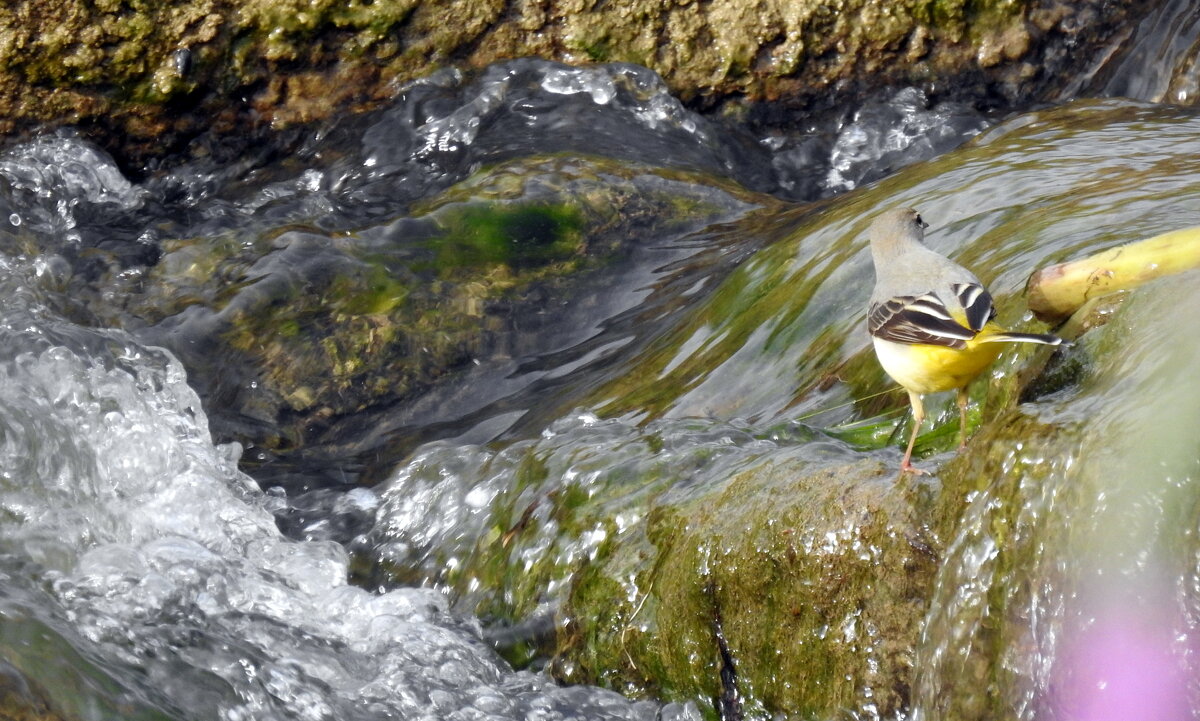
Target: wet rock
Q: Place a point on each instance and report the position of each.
(796, 588)
(147, 77)
(686, 560)
(19, 702)
(289, 331)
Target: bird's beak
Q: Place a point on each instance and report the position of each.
(924, 225)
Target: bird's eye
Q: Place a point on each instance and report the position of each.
(919, 221)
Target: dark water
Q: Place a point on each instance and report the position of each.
(146, 575)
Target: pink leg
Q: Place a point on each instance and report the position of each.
(918, 409)
(962, 417)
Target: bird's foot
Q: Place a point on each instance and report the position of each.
(907, 467)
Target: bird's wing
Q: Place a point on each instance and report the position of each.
(919, 319)
(976, 303)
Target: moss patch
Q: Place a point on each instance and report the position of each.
(520, 237)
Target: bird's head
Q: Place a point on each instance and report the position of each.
(896, 228)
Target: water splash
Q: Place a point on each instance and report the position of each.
(163, 559)
(57, 183)
(890, 133)
(1159, 62)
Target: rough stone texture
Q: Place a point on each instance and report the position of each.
(790, 591)
(146, 76)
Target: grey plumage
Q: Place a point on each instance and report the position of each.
(896, 245)
(909, 307)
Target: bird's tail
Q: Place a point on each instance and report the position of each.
(1007, 337)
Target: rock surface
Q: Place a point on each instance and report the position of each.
(146, 77)
(795, 588)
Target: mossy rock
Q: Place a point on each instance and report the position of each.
(513, 527)
(148, 76)
(794, 589)
(288, 331)
(686, 560)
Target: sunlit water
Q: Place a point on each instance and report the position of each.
(147, 577)
(129, 532)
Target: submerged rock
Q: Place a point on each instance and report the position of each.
(291, 331)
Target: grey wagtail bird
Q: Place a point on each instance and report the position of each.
(930, 318)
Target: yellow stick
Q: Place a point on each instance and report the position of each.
(1057, 291)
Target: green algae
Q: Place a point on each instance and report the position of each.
(520, 237)
(376, 292)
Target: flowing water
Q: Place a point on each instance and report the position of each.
(370, 566)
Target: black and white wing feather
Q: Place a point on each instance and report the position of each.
(925, 319)
(976, 303)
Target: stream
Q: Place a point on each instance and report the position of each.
(289, 434)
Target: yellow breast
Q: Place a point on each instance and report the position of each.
(933, 368)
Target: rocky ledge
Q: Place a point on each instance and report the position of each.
(144, 78)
